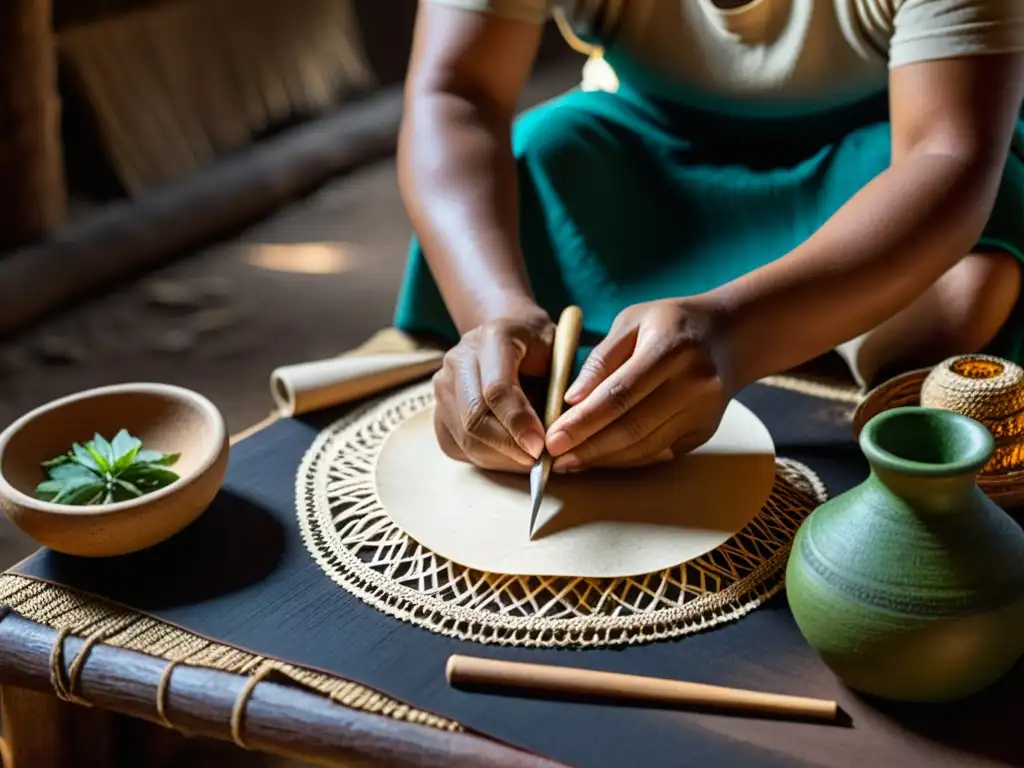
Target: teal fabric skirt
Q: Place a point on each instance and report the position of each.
(625, 198)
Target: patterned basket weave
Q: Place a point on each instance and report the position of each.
(988, 389)
(32, 191)
(985, 388)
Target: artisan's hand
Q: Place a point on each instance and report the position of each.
(483, 416)
(654, 388)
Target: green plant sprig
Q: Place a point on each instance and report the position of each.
(102, 472)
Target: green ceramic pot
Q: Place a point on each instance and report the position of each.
(911, 585)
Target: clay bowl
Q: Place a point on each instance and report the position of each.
(166, 418)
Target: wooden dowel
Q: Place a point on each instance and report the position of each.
(471, 671)
(563, 355)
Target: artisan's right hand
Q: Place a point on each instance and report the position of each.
(483, 416)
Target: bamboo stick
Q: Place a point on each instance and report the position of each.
(469, 671)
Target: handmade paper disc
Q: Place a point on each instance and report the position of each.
(359, 546)
(595, 524)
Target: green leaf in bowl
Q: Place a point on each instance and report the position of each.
(149, 477)
(100, 446)
(86, 458)
(125, 448)
(80, 492)
(156, 458)
(102, 472)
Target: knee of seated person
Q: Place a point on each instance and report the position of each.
(993, 282)
(998, 276)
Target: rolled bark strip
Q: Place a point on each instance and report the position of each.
(33, 193)
(311, 386)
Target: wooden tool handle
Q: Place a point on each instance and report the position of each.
(470, 671)
(567, 340)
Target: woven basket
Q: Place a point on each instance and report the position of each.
(33, 197)
(987, 389)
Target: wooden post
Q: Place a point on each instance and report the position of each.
(33, 194)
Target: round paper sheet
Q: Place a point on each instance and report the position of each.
(593, 524)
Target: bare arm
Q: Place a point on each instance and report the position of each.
(952, 123)
(456, 170)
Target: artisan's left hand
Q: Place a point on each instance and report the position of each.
(653, 389)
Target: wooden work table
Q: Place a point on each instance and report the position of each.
(284, 718)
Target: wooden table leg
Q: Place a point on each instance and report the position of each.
(42, 731)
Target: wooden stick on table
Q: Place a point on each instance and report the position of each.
(471, 671)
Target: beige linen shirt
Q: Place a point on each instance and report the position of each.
(765, 50)
(818, 53)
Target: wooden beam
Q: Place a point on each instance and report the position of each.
(126, 238)
(279, 719)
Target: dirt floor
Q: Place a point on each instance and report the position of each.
(316, 279)
(309, 282)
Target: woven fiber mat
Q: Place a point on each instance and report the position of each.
(355, 539)
(73, 613)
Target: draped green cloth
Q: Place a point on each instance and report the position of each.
(626, 198)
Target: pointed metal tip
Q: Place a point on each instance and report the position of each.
(533, 517)
(538, 478)
(535, 512)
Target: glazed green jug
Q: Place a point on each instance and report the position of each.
(911, 585)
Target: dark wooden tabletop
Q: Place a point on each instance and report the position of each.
(293, 722)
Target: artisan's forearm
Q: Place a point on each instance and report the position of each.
(874, 257)
(458, 180)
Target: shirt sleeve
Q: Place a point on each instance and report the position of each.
(925, 30)
(536, 11)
